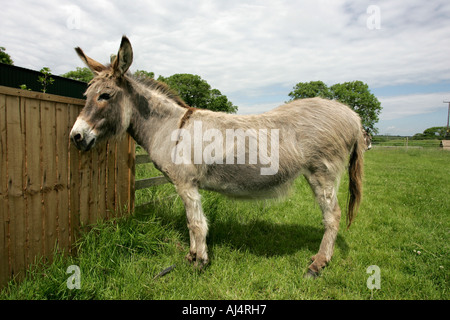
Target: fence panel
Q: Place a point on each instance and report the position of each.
(48, 188)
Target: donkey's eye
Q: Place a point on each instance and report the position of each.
(104, 96)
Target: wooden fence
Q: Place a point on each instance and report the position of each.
(147, 182)
(48, 189)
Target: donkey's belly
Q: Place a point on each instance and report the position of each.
(243, 181)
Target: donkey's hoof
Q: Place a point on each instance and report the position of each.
(200, 264)
(190, 257)
(311, 274)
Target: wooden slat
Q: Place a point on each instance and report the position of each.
(102, 172)
(122, 175)
(49, 176)
(131, 173)
(150, 182)
(62, 189)
(16, 200)
(93, 188)
(4, 223)
(33, 181)
(74, 177)
(85, 186)
(111, 179)
(142, 158)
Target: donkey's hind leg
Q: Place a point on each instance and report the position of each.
(325, 189)
(197, 224)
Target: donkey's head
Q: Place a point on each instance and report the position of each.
(107, 111)
(367, 138)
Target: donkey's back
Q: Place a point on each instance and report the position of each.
(322, 131)
(326, 122)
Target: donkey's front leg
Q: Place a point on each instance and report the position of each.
(197, 224)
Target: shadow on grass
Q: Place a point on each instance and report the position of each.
(268, 239)
(257, 236)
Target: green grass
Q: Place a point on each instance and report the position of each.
(261, 250)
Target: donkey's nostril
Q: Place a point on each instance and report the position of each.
(77, 137)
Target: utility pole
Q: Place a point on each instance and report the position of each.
(448, 117)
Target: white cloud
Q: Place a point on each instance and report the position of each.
(413, 104)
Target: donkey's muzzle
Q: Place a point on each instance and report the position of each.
(81, 143)
(82, 136)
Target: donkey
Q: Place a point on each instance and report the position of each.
(314, 137)
(367, 139)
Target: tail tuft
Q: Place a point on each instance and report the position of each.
(355, 173)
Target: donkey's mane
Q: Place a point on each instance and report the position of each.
(162, 88)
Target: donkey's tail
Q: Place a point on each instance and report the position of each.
(355, 175)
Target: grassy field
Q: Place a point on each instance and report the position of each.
(403, 142)
(261, 250)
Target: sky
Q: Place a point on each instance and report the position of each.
(255, 52)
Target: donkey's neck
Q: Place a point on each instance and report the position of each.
(153, 113)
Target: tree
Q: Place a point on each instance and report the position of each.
(355, 94)
(80, 74)
(435, 132)
(144, 74)
(86, 75)
(197, 93)
(310, 90)
(431, 133)
(219, 102)
(4, 57)
(45, 80)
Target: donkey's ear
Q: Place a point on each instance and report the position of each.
(95, 66)
(124, 58)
